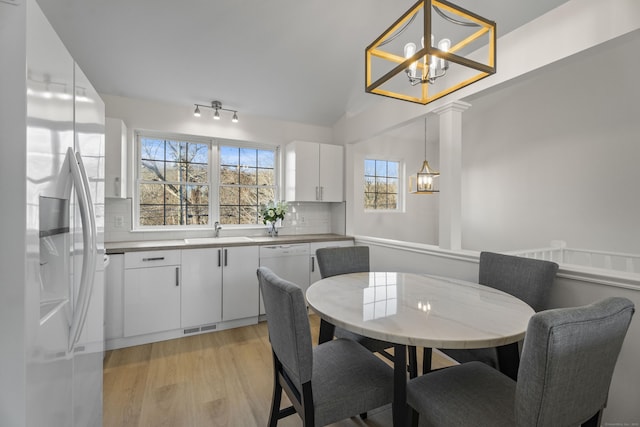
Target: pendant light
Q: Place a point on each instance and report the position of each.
(424, 178)
(405, 62)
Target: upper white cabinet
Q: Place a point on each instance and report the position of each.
(314, 172)
(116, 158)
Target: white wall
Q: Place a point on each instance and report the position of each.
(530, 150)
(417, 220)
(555, 156)
(178, 119)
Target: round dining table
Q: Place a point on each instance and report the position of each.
(420, 310)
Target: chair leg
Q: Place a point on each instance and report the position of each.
(427, 354)
(415, 418)
(275, 403)
(413, 361)
(593, 421)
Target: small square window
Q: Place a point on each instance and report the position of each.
(381, 184)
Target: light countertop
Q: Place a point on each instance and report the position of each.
(212, 242)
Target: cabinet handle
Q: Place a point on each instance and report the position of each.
(177, 276)
(317, 193)
(219, 256)
(313, 264)
(158, 258)
(321, 195)
(226, 257)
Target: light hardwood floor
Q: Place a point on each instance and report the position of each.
(216, 379)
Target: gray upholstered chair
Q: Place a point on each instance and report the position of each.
(350, 259)
(333, 381)
(567, 363)
(527, 279)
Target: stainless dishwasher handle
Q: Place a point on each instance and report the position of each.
(158, 258)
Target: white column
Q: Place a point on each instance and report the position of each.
(450, 233)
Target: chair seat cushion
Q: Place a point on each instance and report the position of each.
(454, 396)
(348, 379)
(371, 344)
(488, 356)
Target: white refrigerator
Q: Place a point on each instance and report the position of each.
(52, 228)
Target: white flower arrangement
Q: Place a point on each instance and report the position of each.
(273, 211)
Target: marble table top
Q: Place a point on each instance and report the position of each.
(420, 310)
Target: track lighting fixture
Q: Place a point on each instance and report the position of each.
(217, 107)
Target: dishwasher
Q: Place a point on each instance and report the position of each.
(290, 262)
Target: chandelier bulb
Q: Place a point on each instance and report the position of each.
(409, 51)
(196, 113)
(216, 115)
(234, 119)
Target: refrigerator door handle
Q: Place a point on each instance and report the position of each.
(90, 248)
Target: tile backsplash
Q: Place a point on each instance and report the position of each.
(302, 218)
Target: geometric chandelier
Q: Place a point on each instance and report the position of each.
(434, 49)
(217, 106)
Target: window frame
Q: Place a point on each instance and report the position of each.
(399, 195)
(256, 146)
(213, 173)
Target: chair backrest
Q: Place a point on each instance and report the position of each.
(527, 279)
(342, 260)
(567, 362)
(288, 325)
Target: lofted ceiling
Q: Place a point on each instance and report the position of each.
(300, 61)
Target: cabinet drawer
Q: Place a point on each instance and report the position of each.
(151, 259)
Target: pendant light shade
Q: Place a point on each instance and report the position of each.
(424, 180)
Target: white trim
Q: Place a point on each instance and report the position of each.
(598, 276)
(214, 144)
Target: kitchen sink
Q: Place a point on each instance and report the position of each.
(216, 240)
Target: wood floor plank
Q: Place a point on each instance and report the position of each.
(221, 379)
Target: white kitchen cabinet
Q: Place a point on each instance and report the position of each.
(314, 172)
(314, 270)
(151, 292)
(240, 291)
(116, 158)
(201, 286)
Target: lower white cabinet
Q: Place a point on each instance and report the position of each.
(240, 291)
(158, 291)
(151, 292)
(201, 286)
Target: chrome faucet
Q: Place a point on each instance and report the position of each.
(217, 227)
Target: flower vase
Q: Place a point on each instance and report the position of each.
(272, 229)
